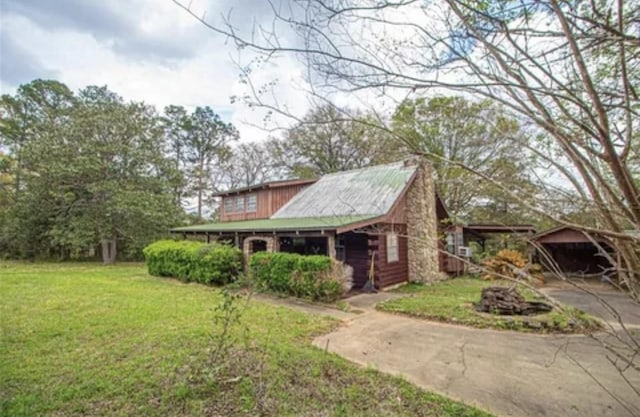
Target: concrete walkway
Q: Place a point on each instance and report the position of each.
(507, 373)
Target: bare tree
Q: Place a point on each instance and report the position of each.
(330, 139)
(250, 164)
(475, 134)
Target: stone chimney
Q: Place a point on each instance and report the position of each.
(422, 225)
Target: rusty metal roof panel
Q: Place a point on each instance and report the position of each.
(366, 191)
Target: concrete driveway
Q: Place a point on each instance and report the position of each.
(597, 299)
(507, 373)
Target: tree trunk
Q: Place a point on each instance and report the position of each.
(109, 251)
(628, 270)
(200, 174)
(18, 175)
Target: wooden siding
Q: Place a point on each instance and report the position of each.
(390, 273)
(278, 197)
(443, 257)
(398, 214)
(268, 202)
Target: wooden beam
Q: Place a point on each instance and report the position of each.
(331, 245)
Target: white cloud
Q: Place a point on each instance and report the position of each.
(166, 57)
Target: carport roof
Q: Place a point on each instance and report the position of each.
(564, 234)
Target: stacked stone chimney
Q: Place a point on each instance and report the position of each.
(422, 226)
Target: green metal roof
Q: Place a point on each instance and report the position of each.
(270, 225)
(365, 191)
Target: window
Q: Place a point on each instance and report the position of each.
(228, 205)
(340, 251)
(240, 204)
(392, 248)
(252, 203)
(451, 244)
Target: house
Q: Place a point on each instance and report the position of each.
(573, 251)
(382, 218)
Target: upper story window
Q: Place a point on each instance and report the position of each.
(243, 203)
(240, 203)
(252, 203)
(228, 205)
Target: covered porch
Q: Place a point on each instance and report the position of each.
(353, 240)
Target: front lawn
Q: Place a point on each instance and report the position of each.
(85, 339)
(452, 302)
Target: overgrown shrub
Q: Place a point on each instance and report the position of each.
(313, 276)
(511, 264)
(194, 261)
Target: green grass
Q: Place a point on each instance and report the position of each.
(84, 339)
(452, 302)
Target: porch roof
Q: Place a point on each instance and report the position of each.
(281, 224)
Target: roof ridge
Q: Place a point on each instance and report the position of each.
(284, 182)
(362, 168)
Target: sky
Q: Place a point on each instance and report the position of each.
(144, 50)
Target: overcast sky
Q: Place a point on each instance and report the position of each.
(145, 50)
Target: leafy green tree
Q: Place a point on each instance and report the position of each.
(330, 140)
(463, 138)
(38, 109)
(7, 180)
(206, 149)
(37, 112)
(177, 127)
(119, 186)
(94, 175)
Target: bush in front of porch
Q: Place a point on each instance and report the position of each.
(306, 276)
(191, 261)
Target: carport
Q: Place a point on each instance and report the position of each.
(461, 235)
(572, 251)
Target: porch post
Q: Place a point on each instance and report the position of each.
(331, 245)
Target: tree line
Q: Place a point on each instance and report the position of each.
(87, 173)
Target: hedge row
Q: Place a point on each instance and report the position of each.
(292, 274)
(194, 261)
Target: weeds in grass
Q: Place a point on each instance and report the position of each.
(228, 314)
(235, 365)
(136, 345)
